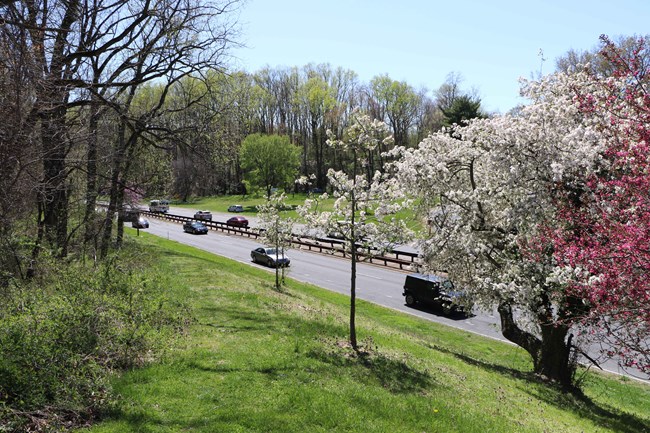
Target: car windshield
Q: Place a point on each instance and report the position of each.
(271, 251)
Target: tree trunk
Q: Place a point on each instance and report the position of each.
(550, 353)
(91, 172)
(353, 297)
(114, 201)
(353, 265)
(54, 194)
(555, 355)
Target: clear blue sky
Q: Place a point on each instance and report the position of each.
(491, 43)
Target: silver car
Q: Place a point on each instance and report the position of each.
(270, 257)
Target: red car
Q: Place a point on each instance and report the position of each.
(238, 221)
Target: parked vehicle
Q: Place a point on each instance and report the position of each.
(159, 206)
(433, 290)
(237, 221)
(195, 227)
(140, 223)
(270, 257)
(204, 215)
(236, 208)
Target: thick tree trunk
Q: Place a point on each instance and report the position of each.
(550, 353)
(555, 354)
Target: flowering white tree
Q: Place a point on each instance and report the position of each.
(364, 209)
(276, 229)
(485, 189)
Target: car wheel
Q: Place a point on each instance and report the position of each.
(254, 259)
(410, 300)
(447, 309)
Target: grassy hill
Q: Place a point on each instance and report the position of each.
(258, 360)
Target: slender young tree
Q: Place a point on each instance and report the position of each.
(277, 230)
(364, 209)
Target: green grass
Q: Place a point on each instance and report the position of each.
(249, 202)
(259, 360)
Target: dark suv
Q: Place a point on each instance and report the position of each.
(433, 290)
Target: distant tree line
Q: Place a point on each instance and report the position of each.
(303, 104)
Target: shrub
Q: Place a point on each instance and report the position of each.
(60, 340)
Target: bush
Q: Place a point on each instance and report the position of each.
(61, 340)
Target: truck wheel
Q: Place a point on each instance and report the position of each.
(410, 300)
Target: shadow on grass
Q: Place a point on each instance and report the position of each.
(238, 320)
(436, 310)
(574, 401)
(393, 374)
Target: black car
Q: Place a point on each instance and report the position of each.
(433, 290)
(140, 223)
(195, 227)
(269, 257)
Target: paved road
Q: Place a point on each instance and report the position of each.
(379, 285)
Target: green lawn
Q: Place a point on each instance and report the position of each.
(258, 360)
(249, 202)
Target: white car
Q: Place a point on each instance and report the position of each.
(236, 208)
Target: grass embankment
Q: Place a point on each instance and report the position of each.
(258, 360)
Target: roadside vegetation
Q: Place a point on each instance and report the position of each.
(256, 359)
(126, 100)
(66, 333)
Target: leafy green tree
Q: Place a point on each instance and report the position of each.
(269, 161)
(461, 110)
(400, 103)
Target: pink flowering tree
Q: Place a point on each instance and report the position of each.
(601, 239)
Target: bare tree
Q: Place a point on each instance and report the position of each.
(96, 55)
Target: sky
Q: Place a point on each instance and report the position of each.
(490, 43)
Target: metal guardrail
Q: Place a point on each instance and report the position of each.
(321, 245)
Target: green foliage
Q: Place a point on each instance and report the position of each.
(462, 109)
(269, 161)
(62, 337)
